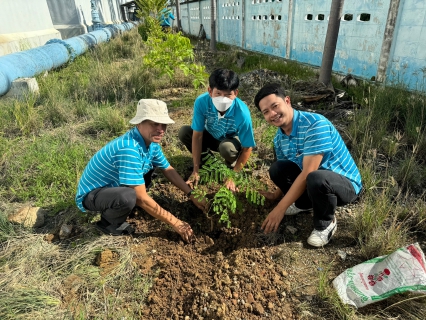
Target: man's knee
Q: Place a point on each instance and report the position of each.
(185, 133)
(127, 199)
(275, 171)
(316, 180)
(228, 150)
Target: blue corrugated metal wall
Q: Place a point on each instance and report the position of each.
(269, 26)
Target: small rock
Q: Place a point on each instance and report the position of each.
(209, 241)
(270, 305)
(234, 302)
(342, 254)
(49, 237)
(271, 294)
(258, 309)
(187, 318)
(235, 295)
(65, 231)
(250, 298)
(219, 256)
(291, 229)
(30, 217)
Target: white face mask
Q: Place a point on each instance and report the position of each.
(222, 103)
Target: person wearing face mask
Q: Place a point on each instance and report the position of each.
(222, 123)
(117, 177)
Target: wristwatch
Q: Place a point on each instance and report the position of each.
(189, 193)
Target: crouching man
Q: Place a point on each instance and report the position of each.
(314, 168)
(221, 122)
(117, 177)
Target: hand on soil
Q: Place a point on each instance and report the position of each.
(184, 230)
(193, 180)
(199, 203)
(272, 221)
(269, 195)
(230, 184)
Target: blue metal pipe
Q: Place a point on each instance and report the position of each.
(53, 54)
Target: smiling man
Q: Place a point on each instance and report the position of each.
(117, 177)
(314, 169)
(222, 123)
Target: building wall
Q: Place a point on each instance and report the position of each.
(408, 62)
(24, 26)
(296, 30)
(71, 17)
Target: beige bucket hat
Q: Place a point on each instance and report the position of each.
(152, 109)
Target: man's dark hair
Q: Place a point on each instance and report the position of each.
(224, 79)
(272, 88)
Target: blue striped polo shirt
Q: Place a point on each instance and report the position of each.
(314, 134)
(236, 121)
(122, 162)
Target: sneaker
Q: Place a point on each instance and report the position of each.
(292, 210)
(321, 238)
(121, 230)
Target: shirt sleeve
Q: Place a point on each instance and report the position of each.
(318, 139)
(199, 119)
(245, 133)
(129, 164)
(159, 160)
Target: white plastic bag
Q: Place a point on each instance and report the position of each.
(379, 278)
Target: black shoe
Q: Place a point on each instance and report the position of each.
(114, 230)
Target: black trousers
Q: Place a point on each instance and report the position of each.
(325, 190)
(229, 149)
(114, 203)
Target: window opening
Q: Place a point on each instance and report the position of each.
(348, 17)
(364, 17)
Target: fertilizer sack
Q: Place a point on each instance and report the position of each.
(379, 278)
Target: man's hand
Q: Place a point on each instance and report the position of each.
(230, 185)
(199, 203)
(272, 221)
(184, 230)
(193, 180)
(271, 195)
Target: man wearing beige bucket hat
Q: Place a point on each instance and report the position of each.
(117, 177)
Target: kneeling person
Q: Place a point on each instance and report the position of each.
(314, 168)
(116, 178)
(221, 122)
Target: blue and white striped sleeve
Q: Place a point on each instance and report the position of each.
(159, 160)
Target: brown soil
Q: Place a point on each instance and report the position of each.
(230, 273)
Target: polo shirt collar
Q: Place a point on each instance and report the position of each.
(295, 124)
(296, 114)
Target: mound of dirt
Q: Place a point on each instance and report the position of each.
(227, 273)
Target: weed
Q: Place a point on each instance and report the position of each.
(26, 115)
